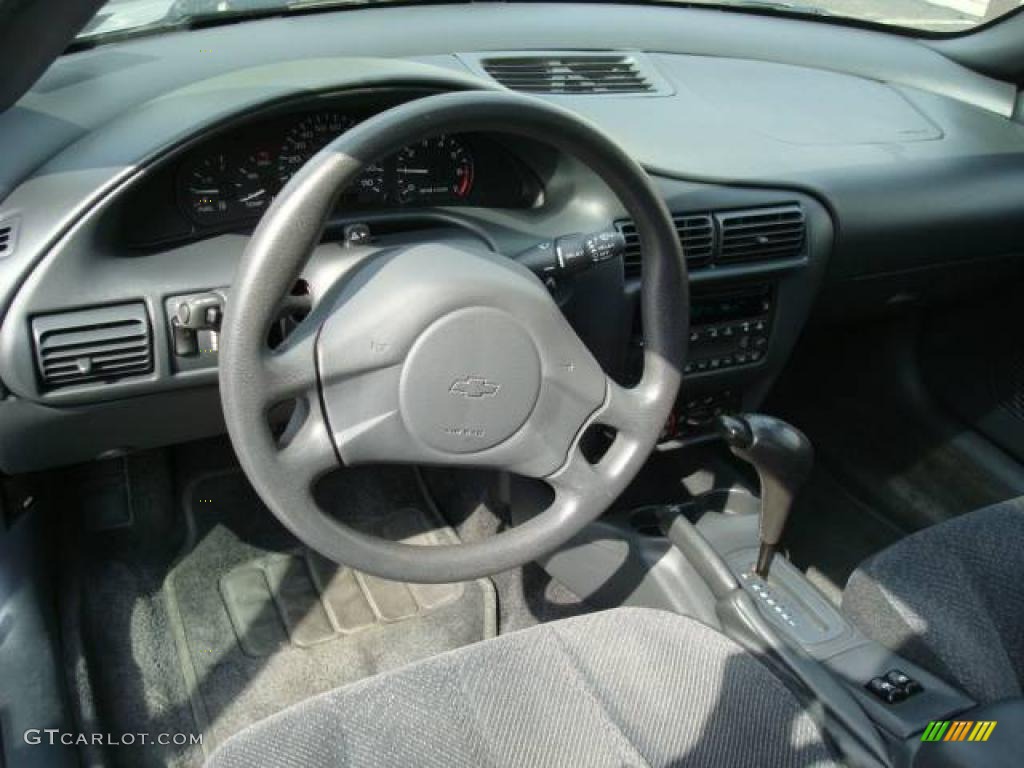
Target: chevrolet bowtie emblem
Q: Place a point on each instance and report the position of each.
(475, 387)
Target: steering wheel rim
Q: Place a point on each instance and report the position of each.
(428, 342)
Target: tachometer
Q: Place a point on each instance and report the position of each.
(307, 138)
(434, 171)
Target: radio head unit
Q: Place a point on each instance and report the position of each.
(729, 330)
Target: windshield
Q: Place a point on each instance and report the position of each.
(118, 17)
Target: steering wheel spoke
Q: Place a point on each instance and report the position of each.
(574, 480)
(289, 371)
(580, 477)
(305, 449)
(620, 408)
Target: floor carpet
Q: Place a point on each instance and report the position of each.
(245, 621)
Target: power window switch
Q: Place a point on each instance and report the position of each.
(886, 691)
(903, 681)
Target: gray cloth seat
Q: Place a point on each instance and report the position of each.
(951, 598)
(626, 687)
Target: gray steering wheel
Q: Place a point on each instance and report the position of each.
(436, 354)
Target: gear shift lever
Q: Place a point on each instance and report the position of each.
(782, 456)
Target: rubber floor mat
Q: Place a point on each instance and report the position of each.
(304, 600)
(261, 623)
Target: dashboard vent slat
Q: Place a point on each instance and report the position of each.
(569, 74)
(728, 237)
(767, 233)
(696, 234)
(8, 237)
(93, 345)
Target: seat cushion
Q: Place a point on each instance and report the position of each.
(626, 687)
(951, 598)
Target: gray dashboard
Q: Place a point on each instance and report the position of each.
(902, 160)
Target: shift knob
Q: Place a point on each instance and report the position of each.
(782, 456)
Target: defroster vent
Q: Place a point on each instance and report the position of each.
(93, 345)
(582, 74)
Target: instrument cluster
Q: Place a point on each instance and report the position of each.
(234, 178)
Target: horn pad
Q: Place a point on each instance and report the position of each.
(470, 381)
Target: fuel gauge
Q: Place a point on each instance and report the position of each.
(206, 189)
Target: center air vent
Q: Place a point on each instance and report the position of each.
(581, 74)
(723, 238)
(94, 345)
(696, 234)
(769, 233)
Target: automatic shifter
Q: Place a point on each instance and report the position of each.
(782, 456)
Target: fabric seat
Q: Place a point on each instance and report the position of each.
(951, 598)
(626, 687)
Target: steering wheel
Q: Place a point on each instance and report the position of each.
(442, 355)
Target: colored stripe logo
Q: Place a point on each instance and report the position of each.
(958, 730)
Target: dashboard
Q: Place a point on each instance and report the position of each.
(141, 169)
(228, 178)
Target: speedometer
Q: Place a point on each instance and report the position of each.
(434, 171)
(254, 182)
(307, 138)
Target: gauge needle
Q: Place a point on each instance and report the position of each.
(252, 196)
(211, 191)
(422, 171)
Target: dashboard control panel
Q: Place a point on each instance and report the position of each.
(695, 414)
(729, 330)
(194, 324)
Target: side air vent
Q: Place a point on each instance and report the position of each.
(590, 74)
(8, 237)
(93, 345)
(696, 234)
(761, 234)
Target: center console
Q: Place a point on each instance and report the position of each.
(711, 556)
(900, 697)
